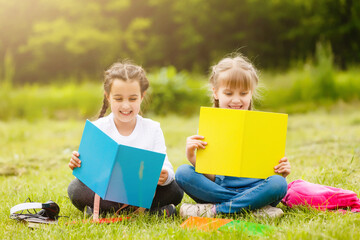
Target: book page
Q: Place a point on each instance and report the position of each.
(264, 143)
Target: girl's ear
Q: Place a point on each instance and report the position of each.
(215, 93)
(107, 96)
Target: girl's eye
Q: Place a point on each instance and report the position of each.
(133, 99)
(228, 93)
(118, 99)
(244, 93)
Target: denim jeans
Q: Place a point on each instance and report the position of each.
(231, 194)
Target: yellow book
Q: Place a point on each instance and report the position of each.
(241, 143)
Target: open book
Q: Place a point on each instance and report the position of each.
(117, 172)
(241, 143)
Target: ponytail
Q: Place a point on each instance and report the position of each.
(104, 107)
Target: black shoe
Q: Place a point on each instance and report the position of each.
(167, 211)
(88, 211)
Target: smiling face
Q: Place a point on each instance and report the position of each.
(233, 98)
(234, 81)
(125, 99)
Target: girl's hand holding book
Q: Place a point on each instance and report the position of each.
(192, 143)
(163, 176)
(284, 167)
(74, 160)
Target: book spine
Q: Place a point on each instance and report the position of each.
(242, 143)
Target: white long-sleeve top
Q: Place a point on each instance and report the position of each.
(147, 135)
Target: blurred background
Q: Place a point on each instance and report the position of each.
(53, 53)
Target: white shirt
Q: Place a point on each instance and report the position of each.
(147, 135)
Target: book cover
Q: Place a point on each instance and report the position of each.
(241, 143)
(117, 172)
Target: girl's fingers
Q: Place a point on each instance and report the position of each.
(282, 164)
(71, 166)
(201, 145)
(283, 167)
(197, 143)
(282, 170)
(195, 137)
(195, 146)
(75, 159)
(161, 180)
(75, 163)
(75, 153)
(163, 176)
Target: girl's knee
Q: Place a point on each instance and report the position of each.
(178, 193)
(71, 189)
(183, 173)
(74, 188)
(278, 184)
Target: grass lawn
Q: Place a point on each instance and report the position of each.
(323, 148)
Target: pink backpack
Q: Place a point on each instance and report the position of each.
(319, 196)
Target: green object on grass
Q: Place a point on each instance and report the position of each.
(247, 227)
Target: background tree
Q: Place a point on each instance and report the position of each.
(63, 39)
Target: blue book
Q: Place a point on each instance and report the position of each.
(117, 172)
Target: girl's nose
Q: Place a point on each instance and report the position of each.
(125, 105)
(237, 100)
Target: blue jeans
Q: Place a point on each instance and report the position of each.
(231, 194)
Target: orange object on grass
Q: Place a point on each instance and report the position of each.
(205, 224)
(102, 220)
(109, 220)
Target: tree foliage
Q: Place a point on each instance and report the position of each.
(48, 40)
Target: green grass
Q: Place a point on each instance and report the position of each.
(323, 147)
(310, 87)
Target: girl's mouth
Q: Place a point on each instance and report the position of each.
(236, 107)
(126, 113)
